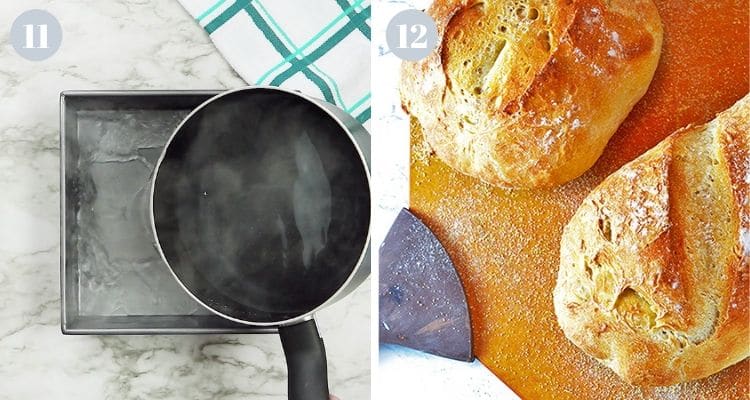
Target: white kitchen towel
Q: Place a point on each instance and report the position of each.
(319, 47)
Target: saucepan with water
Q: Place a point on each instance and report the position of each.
(261, 208)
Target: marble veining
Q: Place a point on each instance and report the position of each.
(120, 44)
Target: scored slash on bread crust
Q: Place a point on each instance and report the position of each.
(527, 93)
(654, 265)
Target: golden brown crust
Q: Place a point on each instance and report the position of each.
(527, 93)
(654, 265)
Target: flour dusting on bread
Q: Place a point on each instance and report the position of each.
(527, 93)
(654, 278)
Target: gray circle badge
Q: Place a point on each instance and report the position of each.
(411, 35)
(36, 35)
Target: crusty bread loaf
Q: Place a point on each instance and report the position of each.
(526, 93)
(653, 278)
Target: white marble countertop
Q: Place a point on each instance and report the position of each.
(120, 44)
(405, 374)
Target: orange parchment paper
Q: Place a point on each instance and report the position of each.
(506, 244)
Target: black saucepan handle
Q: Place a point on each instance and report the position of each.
(305, 361)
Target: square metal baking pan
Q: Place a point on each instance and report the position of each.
(112, 279)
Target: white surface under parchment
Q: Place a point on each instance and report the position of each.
(120, 44)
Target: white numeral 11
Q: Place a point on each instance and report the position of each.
(30, 36)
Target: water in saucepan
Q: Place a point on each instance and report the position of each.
(270, 204)
(311, 199)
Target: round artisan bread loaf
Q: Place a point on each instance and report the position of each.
(655, 264)
(526, 93)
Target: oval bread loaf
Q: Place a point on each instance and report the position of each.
(654, 265)
(526, 93)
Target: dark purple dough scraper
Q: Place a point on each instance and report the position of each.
(422, 301)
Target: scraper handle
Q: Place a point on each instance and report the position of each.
(305, 361)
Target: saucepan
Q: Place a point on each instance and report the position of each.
(260, 206)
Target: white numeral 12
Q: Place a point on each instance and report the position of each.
(30, 36)
(420, 42)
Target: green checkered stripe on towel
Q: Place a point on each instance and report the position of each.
(310, 45)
